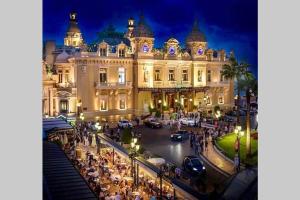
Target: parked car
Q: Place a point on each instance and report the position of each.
(180, 135)
(187, 121)
(193, 165)
(152, 123)
(124, 123)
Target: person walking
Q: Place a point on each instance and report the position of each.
(236, 163)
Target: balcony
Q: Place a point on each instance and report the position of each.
(65, 87)
(218, 84)
(113, 85)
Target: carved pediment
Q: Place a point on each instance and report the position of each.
(63, 94)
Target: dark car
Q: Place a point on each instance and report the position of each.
(180, 135)
(152, 123)
(193, 165)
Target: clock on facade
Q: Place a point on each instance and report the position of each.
(200, 51)
(145, 48)
(172, 50)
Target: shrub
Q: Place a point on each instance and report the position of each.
(126, 136)
(165, 108)
(216, 108)
(157, 114)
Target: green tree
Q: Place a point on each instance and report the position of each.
(126, 136)
(249, 85)
(235, 71)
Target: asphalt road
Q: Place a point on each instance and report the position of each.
(158, 142)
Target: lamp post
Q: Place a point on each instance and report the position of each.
(134, 150)
(160, 174)
(239, 133)
(176, 109)
(191, 106)
(81, 116)
(160, 105)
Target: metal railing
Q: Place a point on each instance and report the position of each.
(174, 181)
(113, 84)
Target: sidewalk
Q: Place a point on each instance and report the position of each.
(216, 159)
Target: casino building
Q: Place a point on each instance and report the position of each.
(121, 75)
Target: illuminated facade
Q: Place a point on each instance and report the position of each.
(125, 75)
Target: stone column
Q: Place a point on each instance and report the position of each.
(50, 102)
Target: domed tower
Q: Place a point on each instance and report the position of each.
(73, 36)
(196, 42)
(143, 38)
(130, 27)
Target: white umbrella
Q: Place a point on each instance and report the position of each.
(156, 161)
(65, 139)
(93, 144)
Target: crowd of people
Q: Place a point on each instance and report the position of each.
(108, 174)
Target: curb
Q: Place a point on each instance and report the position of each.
(224, 173)
(216, 148)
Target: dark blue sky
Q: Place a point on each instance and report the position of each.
(228, 24)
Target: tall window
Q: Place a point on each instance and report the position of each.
(122, 104)
(122, 75)
(102, 51)
(208, 76)
(66, 76)
(60, 76)
(157, 75)
(221, 77)
(103, 104)
(64, 107)
(185, 76)
(208, 100)
(122, 53)
(171, 75)
(103, 75)
(199, 75)
(221, 100)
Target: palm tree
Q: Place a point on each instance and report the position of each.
(249, 85)
(235, 71)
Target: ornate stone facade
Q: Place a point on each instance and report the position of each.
(126, 75)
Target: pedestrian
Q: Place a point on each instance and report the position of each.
(192, 140)
(236, 163)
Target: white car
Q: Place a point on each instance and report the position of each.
(124, 123)
(187, 121)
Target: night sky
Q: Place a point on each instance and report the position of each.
(227, 24)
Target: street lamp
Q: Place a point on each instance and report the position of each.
(191, 107)
(239, 134)
(134, 151)
(160, 105)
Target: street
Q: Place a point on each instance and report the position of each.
(158, 142)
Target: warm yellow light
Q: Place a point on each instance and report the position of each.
(134, 140)
(242, 133)
(239, 128)
(236, 131)
(191, 100)
(97, 118)
(132, 145)
(137, 147)
(159, 101)
(176, 100)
